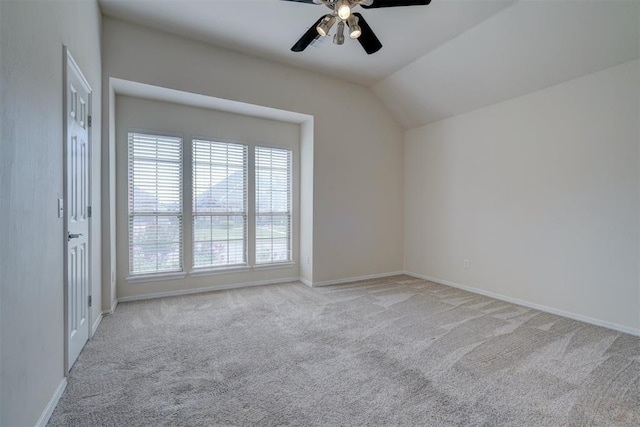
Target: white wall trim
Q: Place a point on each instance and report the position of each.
(563, 313)
(53, 402)
(94, 328)
(309, 283)
(207, 289)
(250, 284)
(113, 306)
(354, 279)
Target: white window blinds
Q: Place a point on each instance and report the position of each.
(273, 205)
(219, 204)
(155, 204)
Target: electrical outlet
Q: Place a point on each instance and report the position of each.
(467, 263)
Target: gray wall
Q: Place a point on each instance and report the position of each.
(357, 150)
(540, 193)
(32, 35)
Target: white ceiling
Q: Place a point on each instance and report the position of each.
(440, 60)
(268, 29)
(527, 47)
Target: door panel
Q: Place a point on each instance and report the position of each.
(77, 93)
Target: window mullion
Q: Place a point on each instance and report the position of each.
(251, 208)
(187, 205)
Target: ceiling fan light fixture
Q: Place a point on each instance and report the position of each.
(326, 24)
(343, 8)
(358, 26)
(354, 29)
(338, 38)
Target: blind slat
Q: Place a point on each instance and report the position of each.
(219, 204)
(273, 173)
(155, 204)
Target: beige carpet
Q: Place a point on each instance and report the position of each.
(394, 351)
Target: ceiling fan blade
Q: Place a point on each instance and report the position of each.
(307, 38)
(367, 39)
(303, 1)
(396, 3)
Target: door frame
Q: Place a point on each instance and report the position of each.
(67, 62)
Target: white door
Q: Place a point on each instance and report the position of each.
(76, 103)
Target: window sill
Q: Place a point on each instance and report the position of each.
(156, 277)
(240, 269)
(274, 266)
(142, 278)
(216, 271)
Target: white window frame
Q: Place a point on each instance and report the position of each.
(131, 213)
(188, 270)
(195, 214)
(288, 214)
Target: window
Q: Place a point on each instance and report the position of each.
(219, 204)
(155, 204)
(273, 205)
(238, 211)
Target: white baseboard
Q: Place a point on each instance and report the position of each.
(207, 289)
(113, 306)
(249, 284)
(563, 313)
(94, 328)
(306, 282)
(53, 402)
(355, 279)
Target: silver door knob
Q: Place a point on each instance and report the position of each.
(74, 236)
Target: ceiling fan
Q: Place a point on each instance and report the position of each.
(341, 11)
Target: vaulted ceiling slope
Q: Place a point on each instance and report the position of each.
(528, 46)
(268, 28)
(438, 61)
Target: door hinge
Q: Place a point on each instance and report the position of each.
(89, 300)
(89, 211)
(89, 120)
